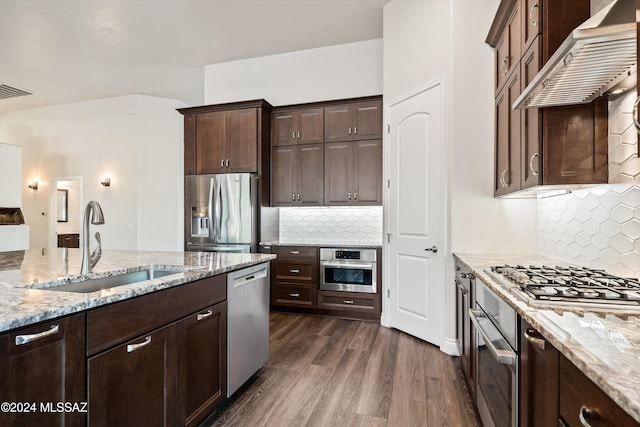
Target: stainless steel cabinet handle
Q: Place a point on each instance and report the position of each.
(533, 171)
(201, 316)
(25, 339)
(355, 130)
(294, 295)
(298, 134)
(468, 276)
(533, 21)
(227, 162)
(349, 195)
(222, 163)
(347, 301)
(294, 270)
(298, 196)
(503, 178)
(504, 357)
(587, 413)
(505, 65)
(535, 338)
(433, 249)
(349, 130)
(294, 252)
(294, 135)
(293, 197)
(134, 347)
(635, 114)
(355, 195)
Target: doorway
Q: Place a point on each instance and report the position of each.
(65, 207)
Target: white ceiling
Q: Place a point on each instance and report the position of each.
(76, 50)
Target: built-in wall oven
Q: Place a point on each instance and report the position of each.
(496, 357)
(348, 270)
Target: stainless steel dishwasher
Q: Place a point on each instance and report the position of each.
(247, 324)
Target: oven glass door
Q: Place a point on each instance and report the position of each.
(348, 277)
(497, 369)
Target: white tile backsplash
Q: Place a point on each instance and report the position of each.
(600, 227)
(326, 225)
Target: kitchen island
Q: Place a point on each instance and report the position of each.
(151, 352)
(602, 343)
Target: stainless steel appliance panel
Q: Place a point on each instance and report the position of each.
(220, 209)
(348, 270)
(247, 324)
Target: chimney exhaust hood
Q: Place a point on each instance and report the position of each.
(597, 56)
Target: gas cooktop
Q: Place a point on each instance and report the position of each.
(544, 285)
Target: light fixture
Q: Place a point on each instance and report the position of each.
(106, 181)
(33, 184)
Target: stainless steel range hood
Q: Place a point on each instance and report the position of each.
(594, 58)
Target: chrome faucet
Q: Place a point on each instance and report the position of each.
(97, 217)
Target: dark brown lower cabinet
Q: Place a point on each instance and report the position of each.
(539, 370)
(42, 365)
(202, 363)
(134, 384)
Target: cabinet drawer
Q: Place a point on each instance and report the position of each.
(115, 323)
(294, 295)
(295, 271)
(579, 394)
(296, 252)
(346, 301)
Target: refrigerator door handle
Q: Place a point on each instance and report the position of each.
(213, 210)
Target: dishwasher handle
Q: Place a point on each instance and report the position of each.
(250, 277)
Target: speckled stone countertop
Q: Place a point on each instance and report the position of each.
(605, 345)
(361, 244)
(25, 275)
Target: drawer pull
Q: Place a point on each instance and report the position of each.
(25, 339)
(201, 316)
(134, 347)
(294, 252)
(587, 413)
(347, 301)
(294, 295)
(294, 271)
(535, 338)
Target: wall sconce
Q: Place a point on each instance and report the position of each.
(33, 184)
(106, 181)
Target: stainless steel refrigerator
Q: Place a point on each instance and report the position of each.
(221, 213)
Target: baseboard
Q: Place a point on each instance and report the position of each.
(450, 346)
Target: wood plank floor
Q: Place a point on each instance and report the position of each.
(334, 372)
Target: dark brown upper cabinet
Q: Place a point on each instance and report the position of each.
(542, 146)
(296, 178)
(352, 122)
(226, 138)
(305, 126)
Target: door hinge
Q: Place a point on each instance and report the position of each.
(388, 293)
(388, 237)
(388, 128)
(388, 183)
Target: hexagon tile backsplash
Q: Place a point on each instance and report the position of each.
(337, 225)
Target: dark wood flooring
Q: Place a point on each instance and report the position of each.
(335, 372)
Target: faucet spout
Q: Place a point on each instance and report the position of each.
(93, 211)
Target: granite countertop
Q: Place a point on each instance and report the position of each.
(361, 243)
(25, 275)
(605, 345)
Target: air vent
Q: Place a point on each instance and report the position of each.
(7, 91)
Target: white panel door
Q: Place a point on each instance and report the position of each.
(416, 215)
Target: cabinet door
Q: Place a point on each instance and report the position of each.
(44, 364)
(539, 385)
(202, 363)
(190, 167)
(367, 172)
(242, 140)
(367, 120)
(338, 164)
(284, 175)
(211, 142)
(338, 123)
(283, 128)
(311, 164)
(531, 122)
(310, 126)
(531, 14)
(134, 384)
(507, 139)
(508, 51)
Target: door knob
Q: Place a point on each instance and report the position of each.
(433, 249)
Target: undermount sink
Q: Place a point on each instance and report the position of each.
(101, 283)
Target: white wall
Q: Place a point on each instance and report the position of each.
(10, 171)
(334, 72)
(96, 138)
(425, 40)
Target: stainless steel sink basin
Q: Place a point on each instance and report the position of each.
(93, 285)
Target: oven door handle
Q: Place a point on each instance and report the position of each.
(504, 357)
(345, 265)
